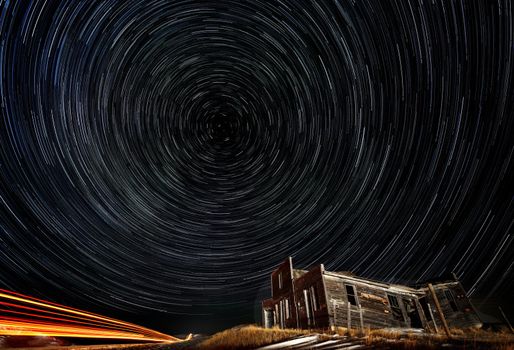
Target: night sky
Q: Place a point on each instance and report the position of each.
(158, 159)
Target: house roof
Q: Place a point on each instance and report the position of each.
(446, 278)
(410, 288)
(385, 285)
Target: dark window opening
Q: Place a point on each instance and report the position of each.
(393, 300)
(412, 313)
(280, 280)
(451, 300)
(395, 307)
(350, 293)
(424, 306)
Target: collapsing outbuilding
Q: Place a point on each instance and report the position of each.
(322, 299)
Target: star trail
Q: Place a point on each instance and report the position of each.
(159, 158)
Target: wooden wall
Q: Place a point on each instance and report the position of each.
(373, 313)
(312, 312)
(465, 315)
(319, 299)
(372, 304)
(283, 272)
(283, 298)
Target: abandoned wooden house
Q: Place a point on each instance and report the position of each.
(322, 299)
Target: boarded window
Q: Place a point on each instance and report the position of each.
(451, 300)
(395, 307)
(350, 293)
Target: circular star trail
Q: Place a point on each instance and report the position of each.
(162, 157)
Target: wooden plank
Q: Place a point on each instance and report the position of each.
(439, 310)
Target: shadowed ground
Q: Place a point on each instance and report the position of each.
(253, 337)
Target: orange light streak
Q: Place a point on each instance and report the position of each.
(35, 317)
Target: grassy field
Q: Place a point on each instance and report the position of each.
(248, 337)
(251, 337)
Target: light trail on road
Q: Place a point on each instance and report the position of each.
(23, 315)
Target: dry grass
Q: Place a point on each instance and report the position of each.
(251, 337)
(248, 337)
(351, 332)
(386, 333)
(471, 338)
(503, 340)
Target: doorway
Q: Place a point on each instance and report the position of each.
(412, 313)
(269, 318)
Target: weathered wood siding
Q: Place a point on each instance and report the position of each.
(282, 300)
(373, 312)
(282, 280)
(312, 312)
(461, 313)
(371, 302)
(320, 299)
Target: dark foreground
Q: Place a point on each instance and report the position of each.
(252, 337)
